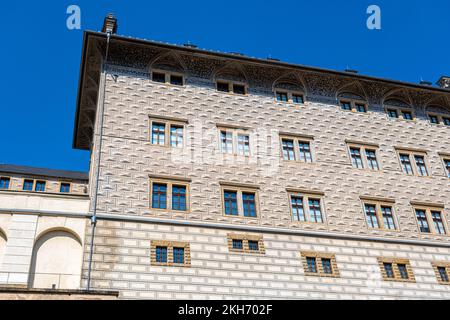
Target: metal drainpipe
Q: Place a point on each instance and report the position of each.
(101, 116)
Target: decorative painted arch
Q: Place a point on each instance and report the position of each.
(168, 61)
(290, 81)
(398, 98)
(59, 229)
(352, 90)
(439, 104)
(232, 71)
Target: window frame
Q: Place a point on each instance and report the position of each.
(9, 182)
(306, 197)
(170, 183)
(318, 256)
(167, 77)
(170, 245)
(235, 134)
(412, 159)
(297, 139)
(428, 215)
(353, 103)
(245, 238)
(396, 272)
(290, 96)
(231, 85)
(379, 203)
(446, 157)
(400, 111)
(441, 264)
(168, 123)
(240, 189)
(65, 182)
(440, 117)
(363, 148)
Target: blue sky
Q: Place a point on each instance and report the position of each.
(41, 57)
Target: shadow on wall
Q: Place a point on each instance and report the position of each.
(2, 245)
(56, 261)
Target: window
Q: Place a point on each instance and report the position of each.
(306, 207)
(413, 162)
(363, 156)
(407, 115)
(169, 194)
(170, 253)
(400, 113)
(28, 185)
(392, 113)
(235, 141)
(430, 220)
(168, 78)
(240, 201)
(320, 264)
(442, 270)
(379, 214)
(353, 105)
(231, 87)
(297, 149)
(166, 132)
(434, 119)
(447, 166)
(64, 187)
(393, 269)
(438, 119)
(40, 186)
(246, 243)
(4, 183)
(446, 121)
(289, 97)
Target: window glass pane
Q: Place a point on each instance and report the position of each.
(388, 219)
(372, 161)
(40, 186)
(446, 121)
(238, 89)
(422, 221)
(311, 264)
(248, 200)
(179, 198)
(253, 245)
(282, 96)
(403, 271)
(159, 77)
(176, 80)
(297, 98)
(226, 139)
(326, 266)
(178, 255)
(371, 216)
(223, 87)
(438, 223)
(28, 185)
(392, 113)
(420, 164)
(288, 149)
(434, 119)
(64, 188)
(443, 274)
(356, 157)
(230, 200)
(158, 133)
(159, 196)
(4, 183)
(305, 151)
(315, 211)
(361, 107)
(297, 208)
(447, 166)
(176, 136)
(389, 270)
(346, 105)
(161, 254)
(244, 145)
(407, 115)
(406, 163)
(238, 244)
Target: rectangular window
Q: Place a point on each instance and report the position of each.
(320, 264)
(447, 166)
(288, 150)
(392, 113)
(355, 154)
(240, 201)
(176, 80)
(420, 165)
(430, 219)
(64, 187)
(40, 186)
(223, 87)
(305, 151)
(178, 255)
(433, 119)
(406, 164)
(423, 221)
(28, 185)
(446, 121)
(161, 254)
(371, 216)
(393, 269)
(226, 138)
(4, 183)
(388, 218)
(298, 99)
(345, 105)
(159, 196)
(244, 145)
(159, 77)
(306, 207)
(442, 270)
(438, 223)
(297, 149)
(176, 136)
(360, 107)
(282, 96)
(158, 134)
(249, 204)
(379, 214)
(372, 161)
(179, 198)
(407, 115)
(443, 275)
(239, 89)
(246, 243)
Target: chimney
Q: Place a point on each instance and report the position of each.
(425, 83)
(444, 82)
(351, 71)
(110, 24)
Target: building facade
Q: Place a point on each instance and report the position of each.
(220, 176)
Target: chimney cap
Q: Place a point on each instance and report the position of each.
(110, 24)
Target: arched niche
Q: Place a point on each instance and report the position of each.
(353, 91)
(168, 61)
(56, 260)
